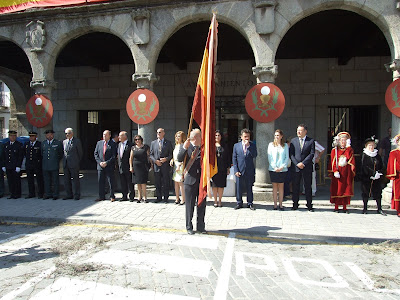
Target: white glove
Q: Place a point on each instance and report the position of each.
(17, 169)
(336, 174)
(4, 169)
(376, 176)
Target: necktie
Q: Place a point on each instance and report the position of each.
(69, 145)
(159, 145)
(104, 149)
(121, 150)
(31, 144)
(301, 144)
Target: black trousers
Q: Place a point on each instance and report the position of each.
(307, 178)
(71, 176)
(376, 192)
(191, 198)
(102, 175)
(244, 181)
(1, 183)
(162, 184)
(30, 174)
(126, 185)
(50, 179)
(14, 182)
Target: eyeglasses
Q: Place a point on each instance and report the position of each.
(138, 139)
(68, 132)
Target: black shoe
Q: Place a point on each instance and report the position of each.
(55, 198)
(29, 196)
(139, 200)
(123, 199)
(190, 231)
(346, 211)
(131, 200)
(238, 206)
(311, 209)
(251, 207)
(46, 197)
(202, 231)
(77, 198)
(11, 197)
(157, 201)
(67, 198)
(336, 211)
(294, 208)
(281, 208)
(275, 208)
(165, 201)
(365, 211)
(380, 211)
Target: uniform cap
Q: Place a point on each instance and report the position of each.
(12, 132)
(32, 133)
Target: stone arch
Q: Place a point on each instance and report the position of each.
(67, 37)
(364, 11)
(190, 19)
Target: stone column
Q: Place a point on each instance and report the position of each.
(264, 135)
(146, 81)
(394, 67)
(44, 87)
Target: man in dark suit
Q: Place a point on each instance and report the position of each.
(125, 176)
(13, 156)
(243, 157)
(161, 153)
(2, 167)
(192, 172)
(301, 153)
(72, 157)
(104, 154)
(52, 153)
(33, 165)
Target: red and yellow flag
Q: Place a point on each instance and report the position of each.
(9, 6)
(204, 110)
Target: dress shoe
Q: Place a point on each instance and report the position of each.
(177, 201)
(275, 208)
(46, 197)
(55, 198)
(139, 200)
(346, 211)
(77, 198)
(157, 201)
(123, 199)
(281, 208)
(336, 211)
(190, 231)
(131, 200)
(311, 209)
(29, 196)
(202, 231)
(99, 199)
(238, 206)
(380, 211)
(67, 198)
(295, 208)
(145, 201)
(112, 199)
(365, 211)
(251, 207)
(166, 201)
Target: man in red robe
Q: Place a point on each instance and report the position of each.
(342, 171)
(393, 173)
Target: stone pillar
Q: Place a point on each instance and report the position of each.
(44, 87)
(394, 67)
(264, 135)
(146, 81)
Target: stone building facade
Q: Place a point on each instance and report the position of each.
(313, 87)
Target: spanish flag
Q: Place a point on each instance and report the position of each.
(9, 6)
(203, 110)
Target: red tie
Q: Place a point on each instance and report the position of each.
(104, 149)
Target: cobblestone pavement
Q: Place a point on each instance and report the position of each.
(93, 261)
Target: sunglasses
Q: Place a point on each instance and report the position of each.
(138, 139)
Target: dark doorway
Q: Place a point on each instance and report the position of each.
(91, 127)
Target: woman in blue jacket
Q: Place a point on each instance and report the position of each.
(278, 158)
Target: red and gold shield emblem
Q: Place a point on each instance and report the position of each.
(142, 106)
(265, 102)
(39, 110)
(392, 97)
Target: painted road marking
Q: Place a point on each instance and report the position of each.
(28, 284)
(154, 262)
(269, 264)
(67, 288)
(367, 280)
(223, 279)
(339, 282)
(174, 239)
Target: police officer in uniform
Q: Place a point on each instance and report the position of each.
(52, 153)
(13, 156)
(33, 165)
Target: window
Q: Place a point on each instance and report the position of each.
(93, 117)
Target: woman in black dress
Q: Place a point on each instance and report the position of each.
(219, 179)
(139, 166)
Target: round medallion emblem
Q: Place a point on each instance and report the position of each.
(142, 106)
(39, 110)
(265, 102)
(392, 97)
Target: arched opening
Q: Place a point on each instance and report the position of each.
(15, 77)
(93, 74)
(178, 66)
(331, 69)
